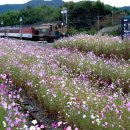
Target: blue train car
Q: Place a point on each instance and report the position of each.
(125, 24)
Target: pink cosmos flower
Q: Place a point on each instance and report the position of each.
(42, 126)
(54, 125)
(128, 109)
(68, 128)
(8, 128)
(128, 106)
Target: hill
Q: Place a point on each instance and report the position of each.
(125, 8)
(33, 3)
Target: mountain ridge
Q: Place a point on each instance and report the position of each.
(35, 3)
(32, 3)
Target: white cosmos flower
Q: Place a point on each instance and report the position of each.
(32, 128)
(98, 121)
(92, 116)
(25, 126)
(68, 128)
(5, 105)
(84, 116)
(34, 122)
(84, 102)
(4, 124)
(59, 123)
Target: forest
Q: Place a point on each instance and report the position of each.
(82, 16)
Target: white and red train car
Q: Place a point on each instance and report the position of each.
(47, 32)
(16, 32)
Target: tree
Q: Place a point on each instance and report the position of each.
(31, 15)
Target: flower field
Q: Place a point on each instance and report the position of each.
(99, 45)
(85, 91)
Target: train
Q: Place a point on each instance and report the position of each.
(47, 32)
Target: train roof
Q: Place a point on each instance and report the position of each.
(128, 16)
(47, 24)
(43, 25)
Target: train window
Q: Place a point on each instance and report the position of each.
(59, 26)
(51, 27)
(36, 32)
(56, 27)
(13, 31)
(44, 30)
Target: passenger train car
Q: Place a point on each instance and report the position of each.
(48, 32)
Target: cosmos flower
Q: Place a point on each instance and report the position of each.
(34, 122)
(84, 116)
(32, 128)
(128, 106)
(4, 123)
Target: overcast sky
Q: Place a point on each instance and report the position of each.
(117, 3)
(13, 1)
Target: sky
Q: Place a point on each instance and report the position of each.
(117, 3)
(13, 1)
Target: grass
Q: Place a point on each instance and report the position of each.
(2, 118)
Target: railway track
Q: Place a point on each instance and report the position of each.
(29, 106)
(36, 113)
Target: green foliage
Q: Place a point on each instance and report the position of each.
(91, 32)
(39, 15)
(30, 15)
(72, 31)
(10, 18)
(83, 15)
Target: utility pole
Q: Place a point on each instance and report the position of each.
(98, 17)
(65, 17)
(20, 31)
(98, 22)
(2, 27)
(112, 18)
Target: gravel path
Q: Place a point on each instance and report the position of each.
(108, 29)
(38, 43)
